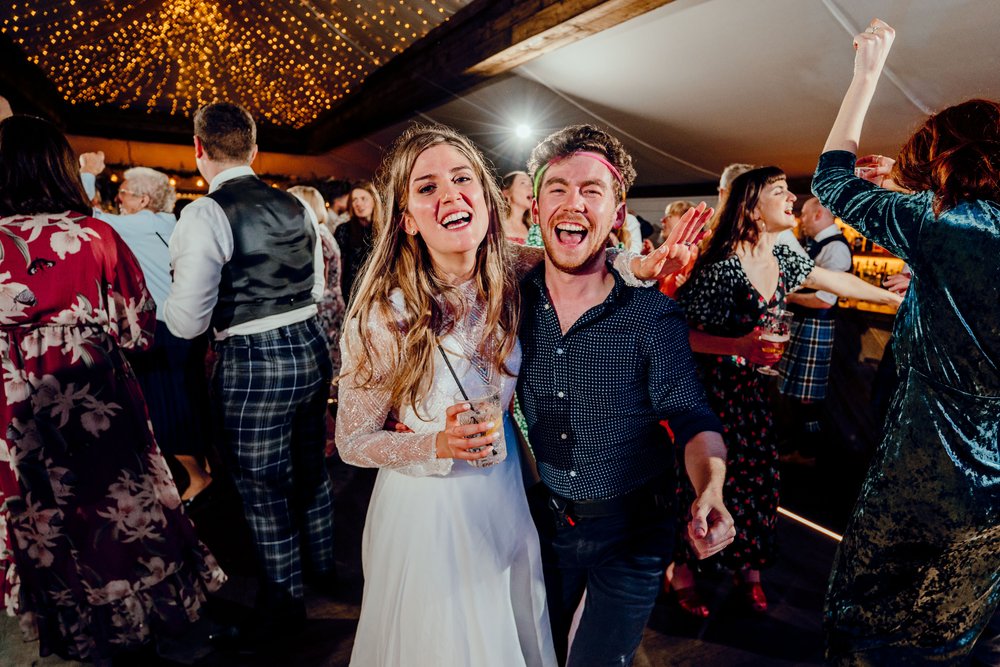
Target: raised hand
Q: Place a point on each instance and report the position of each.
(678, 249)
(454, 441)
(872, 47)
(5, 110)
(92, 163)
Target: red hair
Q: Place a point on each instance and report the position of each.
(955, 154)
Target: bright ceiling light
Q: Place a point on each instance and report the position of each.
(522, 131)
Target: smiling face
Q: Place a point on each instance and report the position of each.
(774, 207)
(128, 201)
(519, 194)
(445, 205)
(362, 204)
(577, 207)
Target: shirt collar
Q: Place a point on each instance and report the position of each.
(536, 277)
(228, 175)
(832, 230)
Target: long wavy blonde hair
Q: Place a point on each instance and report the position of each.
(401, 261)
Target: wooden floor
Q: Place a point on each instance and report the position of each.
(789, 634)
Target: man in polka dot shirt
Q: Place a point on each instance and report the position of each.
(603, 363)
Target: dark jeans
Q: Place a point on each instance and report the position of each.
(619, 561)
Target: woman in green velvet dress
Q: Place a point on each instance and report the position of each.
(918, 573)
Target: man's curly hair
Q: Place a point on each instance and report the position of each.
(576, 138)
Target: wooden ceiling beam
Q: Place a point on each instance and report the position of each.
(557, 25)
(485, 39)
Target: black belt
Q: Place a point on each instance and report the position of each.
(651, 495)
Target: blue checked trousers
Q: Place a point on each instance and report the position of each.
(272, 389)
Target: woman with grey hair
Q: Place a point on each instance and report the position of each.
(172, 371)
(147, 189)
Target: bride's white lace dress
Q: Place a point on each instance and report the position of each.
(453, 574)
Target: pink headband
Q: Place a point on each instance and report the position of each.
(596, 156)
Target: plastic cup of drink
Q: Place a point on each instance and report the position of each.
(486, 407)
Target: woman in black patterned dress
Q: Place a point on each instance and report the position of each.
(739, 276)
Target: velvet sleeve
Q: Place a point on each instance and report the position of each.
(892, 219)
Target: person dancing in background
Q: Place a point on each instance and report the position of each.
(248, 265)
(918, 573)
(355, 237)
(97, 556)
(516, 189)
(742, 273)
(172, 371)
(805, 365)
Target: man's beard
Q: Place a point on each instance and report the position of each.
(582, 267)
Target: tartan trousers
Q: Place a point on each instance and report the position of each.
(272, 389)
(805, 366)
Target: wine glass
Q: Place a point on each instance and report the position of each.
(776, 329)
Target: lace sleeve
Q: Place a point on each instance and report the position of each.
(622, 261)
(361, 436)
(525, 258)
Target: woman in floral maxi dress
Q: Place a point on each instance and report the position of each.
(740, 274)
(96, 555)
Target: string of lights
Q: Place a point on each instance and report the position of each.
(286, 62)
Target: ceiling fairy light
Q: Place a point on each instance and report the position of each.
(286, 62)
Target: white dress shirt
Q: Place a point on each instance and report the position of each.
(201, 245)
(789, 239)
(832, 256)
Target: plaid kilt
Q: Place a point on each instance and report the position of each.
(272, 390)
(805, 365)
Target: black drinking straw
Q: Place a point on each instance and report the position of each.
(453, 373)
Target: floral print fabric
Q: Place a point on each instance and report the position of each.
(95, 551)
(720, 300)
(331, 306)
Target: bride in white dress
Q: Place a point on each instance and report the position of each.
(453, 574)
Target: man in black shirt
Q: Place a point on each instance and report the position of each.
(603, 363)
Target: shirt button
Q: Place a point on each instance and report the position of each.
(559, 350)
(572, 473)
(546, 306)
(563, 436)
(561, 395)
